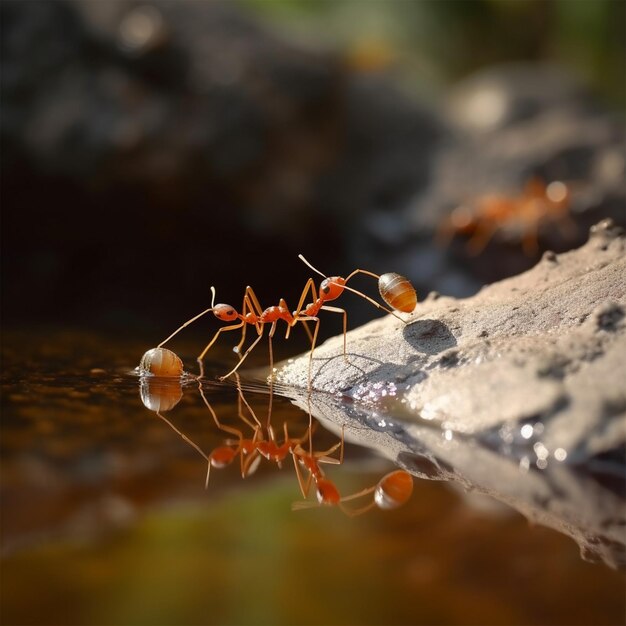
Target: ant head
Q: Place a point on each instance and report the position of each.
(327, 493)
(331, 288)
(225, 312)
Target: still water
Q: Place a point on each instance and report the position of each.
(106, 519)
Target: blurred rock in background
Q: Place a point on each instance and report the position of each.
(150, 150)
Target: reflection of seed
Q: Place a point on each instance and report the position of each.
(160, 394)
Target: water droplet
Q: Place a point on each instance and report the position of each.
(540, 450)
(527, 431)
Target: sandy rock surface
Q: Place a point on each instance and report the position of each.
(549, 344)
(518, 392)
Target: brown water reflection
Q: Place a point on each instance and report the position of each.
(105, 520)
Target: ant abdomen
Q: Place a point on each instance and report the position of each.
(397, 292)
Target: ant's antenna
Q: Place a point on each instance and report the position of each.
(307, 263)
(193, 319)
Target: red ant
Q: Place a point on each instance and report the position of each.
(327, 493)
(396, 291)
(390, 492)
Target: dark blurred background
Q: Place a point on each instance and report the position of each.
(152, 149)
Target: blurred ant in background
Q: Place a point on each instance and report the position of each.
(524, 215)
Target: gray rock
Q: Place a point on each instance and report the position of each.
(518, 392)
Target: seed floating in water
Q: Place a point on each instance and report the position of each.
(161, 362)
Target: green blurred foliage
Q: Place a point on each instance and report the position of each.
(441, 41)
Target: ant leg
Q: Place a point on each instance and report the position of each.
(191, 443)
(325, 457)
(237, 348)
(247, 352)
(245, 308)
(479, 240)
(445, 232)
(251, 463)
(193, 319)
(359, 494)
(241, 399)
(335, 309)
(360, 271)
(317, 327)
(221, 330)
(530, 245)
(304, 487)
(355, 512)
(228, 429)
(309, 286)
(255, 301)
(271, 335)
(354, 496)
(271, 375)
(372, 301)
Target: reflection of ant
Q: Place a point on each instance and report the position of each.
(160, 395)
(390, 492)
(537, 204)
(394, 289)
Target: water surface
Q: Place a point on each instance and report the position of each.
(105, 518)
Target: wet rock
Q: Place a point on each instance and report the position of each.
(517, 392)
(547, 344)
